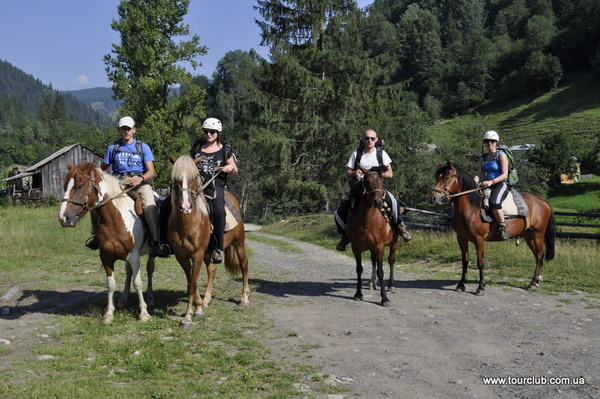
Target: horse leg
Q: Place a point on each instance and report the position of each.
(124, 298)
(464, 252)
(150, 272)
(384, 299)
(479, 246)
(243, 265)
(373, 272)
(110, 288)
(134, 261)
(536, 244)
(192, 291)
(211, 270)
(359, 269)
(391, 261)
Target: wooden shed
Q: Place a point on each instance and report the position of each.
(45, 178)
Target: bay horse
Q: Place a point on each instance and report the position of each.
(369, 230)
(121, 232)
(189, 235)
(538, 228)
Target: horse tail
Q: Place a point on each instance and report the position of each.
(232, 261)
(550, 237)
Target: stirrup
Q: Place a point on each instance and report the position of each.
(92, 243)
(341, 246)
(162, 251)
(216, 256)
(503, 233)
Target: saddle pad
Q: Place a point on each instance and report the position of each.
(514, 205)
(232, 216)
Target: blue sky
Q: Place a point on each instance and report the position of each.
(62, 42)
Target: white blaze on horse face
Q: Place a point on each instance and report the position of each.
(186, 205)
(63, 205)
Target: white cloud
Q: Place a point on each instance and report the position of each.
(82, 79)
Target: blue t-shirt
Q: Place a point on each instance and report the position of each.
(127, 159)
(493, 168)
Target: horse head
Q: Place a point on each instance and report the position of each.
(186, 184)
(81, 191)
(446, 184)
(373, 190)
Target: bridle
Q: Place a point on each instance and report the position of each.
(446, 195)
(374, 191)
(84, 203)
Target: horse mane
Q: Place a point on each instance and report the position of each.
(185, 168)
(465, 182)
(113, 186)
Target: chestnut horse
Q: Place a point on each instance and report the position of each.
(121, 232)
(189, 236)
(369, 230)
(538, 228)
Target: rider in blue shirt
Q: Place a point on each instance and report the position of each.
(493, 171)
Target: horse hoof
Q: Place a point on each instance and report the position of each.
(532, 287)
(386, 303)
(479, 292)
(107, 319)
(199, 313)
(144, 317)
(186, 325)
(460, 288)
(244, 302)
(358, 297)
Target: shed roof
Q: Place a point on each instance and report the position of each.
(32, 169)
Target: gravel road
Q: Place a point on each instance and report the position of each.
(431, 342)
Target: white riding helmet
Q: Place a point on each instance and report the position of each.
(212, 124)
(491, 135)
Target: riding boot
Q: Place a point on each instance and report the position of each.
(404, 231)
(216, 256)
(502, 229)
(341, 246)
(157, 248)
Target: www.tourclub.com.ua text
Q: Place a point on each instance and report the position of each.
(533, 380)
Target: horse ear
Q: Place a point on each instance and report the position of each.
(70, 166)
(449, 164)
(171, 158)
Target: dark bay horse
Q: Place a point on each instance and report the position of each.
(538, 229)
(189, 235)
(368, 230)
(121, 233)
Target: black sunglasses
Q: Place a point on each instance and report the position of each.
(490, 141)
(370, 138)
(206, 131)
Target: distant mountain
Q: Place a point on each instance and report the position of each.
(99, 98)
(19, 87)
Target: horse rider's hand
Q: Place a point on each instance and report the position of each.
(227, 169)
(136, 180)
(358, 173)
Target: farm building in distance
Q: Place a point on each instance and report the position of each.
(45, 178)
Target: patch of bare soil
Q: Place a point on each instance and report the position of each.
(432, 342)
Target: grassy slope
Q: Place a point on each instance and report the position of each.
(573, 108)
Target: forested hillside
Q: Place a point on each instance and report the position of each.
(36, 120)
(99, 98)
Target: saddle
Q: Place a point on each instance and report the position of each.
(513, 206)
(232, 215)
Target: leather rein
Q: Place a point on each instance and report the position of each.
(446, 190)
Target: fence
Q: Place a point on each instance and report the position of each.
(440, 221)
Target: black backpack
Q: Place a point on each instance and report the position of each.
(361, 149)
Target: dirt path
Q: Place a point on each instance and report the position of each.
(432, 342)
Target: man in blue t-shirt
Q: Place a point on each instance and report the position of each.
(133, 163)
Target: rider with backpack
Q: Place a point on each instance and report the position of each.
(492, 171)
(133, 162)
(371, 156)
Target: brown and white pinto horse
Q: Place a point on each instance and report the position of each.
(120, 234)
(368, 230)
(538, 229)
(189, 236)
